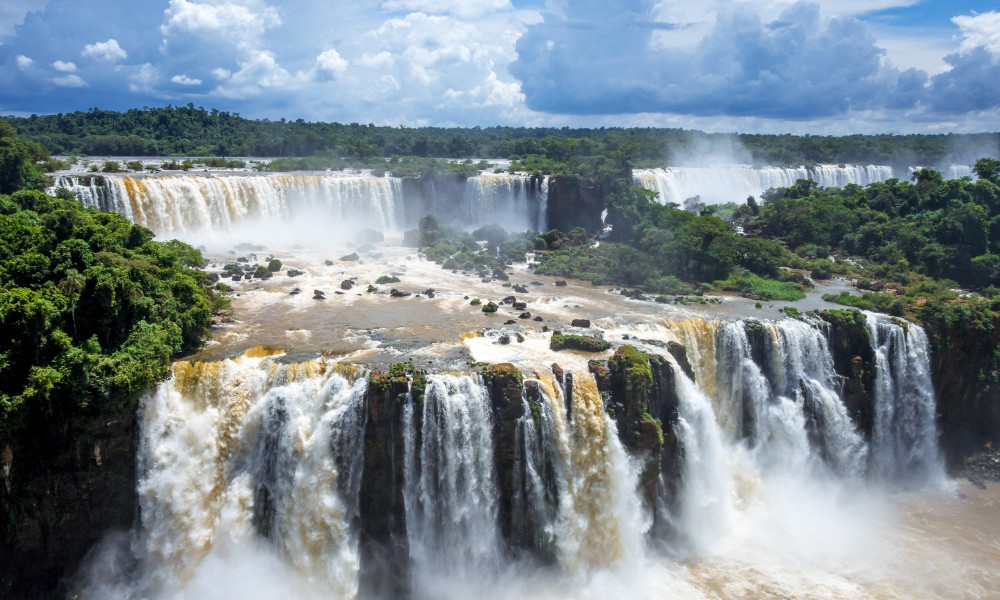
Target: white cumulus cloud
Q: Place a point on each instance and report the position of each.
(69, 81)
(108, 51)
(331, 61)
(240, 22)
(64, 67)
(23, 62)
(981, 30)
(185, 80)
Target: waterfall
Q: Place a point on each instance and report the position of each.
(186, 206)
(236, 452)
(253, 462)
(516, 202)
(719, 185)
(600, 522)
(450, 488)
(904, 434)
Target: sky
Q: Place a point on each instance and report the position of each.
(767, 66)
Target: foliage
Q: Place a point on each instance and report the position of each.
(759, 288)
(91, 309)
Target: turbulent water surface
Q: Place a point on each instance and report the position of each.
(252, 454)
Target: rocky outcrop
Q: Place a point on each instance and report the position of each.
(631, 387)
(575, 202)
(382, 527)
(854, 361)
(61, 491)
(965, 361)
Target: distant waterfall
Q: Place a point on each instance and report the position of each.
(186, 205)
(719, 185)
(904, 436)
(515, 202)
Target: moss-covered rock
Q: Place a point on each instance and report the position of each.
(583, 343)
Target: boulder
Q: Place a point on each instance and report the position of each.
(561, 283)
(584, 323)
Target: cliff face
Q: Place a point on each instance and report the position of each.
(966, 374)
(60, 492)
(575, 202)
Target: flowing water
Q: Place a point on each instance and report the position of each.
(251, 459)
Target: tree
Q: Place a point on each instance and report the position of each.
(988, 168)
(72, 286)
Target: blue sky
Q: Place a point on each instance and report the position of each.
(826, 66)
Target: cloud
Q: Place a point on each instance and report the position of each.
(240, 22)
(108, 51)
(260, 71)
(460, 8)
(69, 81)
(65, 67)
(331, 62)
(144, 80)
(185, 80)
(981, 30)
(800, 65)
(23, 62)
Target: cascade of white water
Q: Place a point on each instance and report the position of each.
(904, 432)
(450, 493)
(707, 505)
(718, 185)
(601, 522)
(516, 202)
(244, 447)
(536, 491)
(185, 205)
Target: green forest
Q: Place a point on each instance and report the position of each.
(194, 131)
(92, 309)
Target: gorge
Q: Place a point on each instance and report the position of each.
(357, 443)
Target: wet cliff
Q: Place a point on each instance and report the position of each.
(575, 202)
(62, 488)
(966, 371)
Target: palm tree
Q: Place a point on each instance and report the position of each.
(72, 286)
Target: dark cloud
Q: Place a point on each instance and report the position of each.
(800, 66)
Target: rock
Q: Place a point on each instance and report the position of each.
(338, 293)
(346, 284)
(398, 293)
(319, 295)
(520, 305)
(237, 277)
(524, 315)
(538, 319)
(510, 322)
(520, 289)
(536, 283)
(490, 307)
(561, 283)
(584, 323)
(352, 257)
(429, 292)
(509, 300)
(504, 340)
(583, 343)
